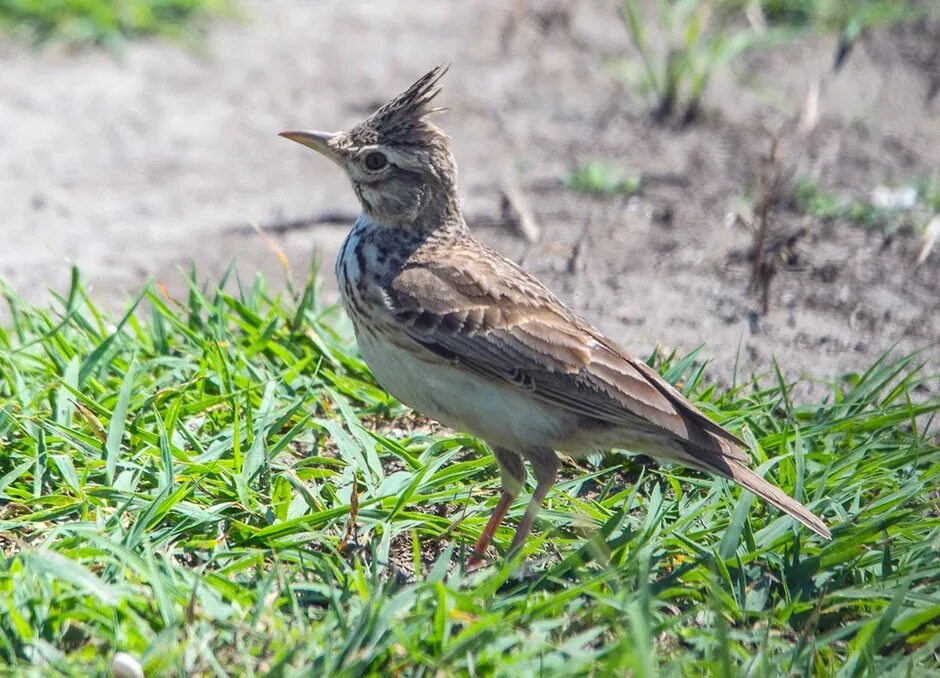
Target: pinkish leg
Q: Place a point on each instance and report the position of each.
(483, 543)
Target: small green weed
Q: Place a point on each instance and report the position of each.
(832, 16)
(929, 192)
(847, 18)
(598, 176)
(680, 49)
(827, 206)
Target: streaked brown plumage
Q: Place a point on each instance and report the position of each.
(457, 331)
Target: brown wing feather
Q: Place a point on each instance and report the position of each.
(496, 320)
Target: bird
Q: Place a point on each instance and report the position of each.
(466, 336)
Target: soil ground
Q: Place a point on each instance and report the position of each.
(141, 164)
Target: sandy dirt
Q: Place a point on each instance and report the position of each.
(135, 166)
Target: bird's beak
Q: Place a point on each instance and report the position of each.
(318, 141)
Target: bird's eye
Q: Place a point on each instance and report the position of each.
(375, 161)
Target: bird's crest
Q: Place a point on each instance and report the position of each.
(402, 120)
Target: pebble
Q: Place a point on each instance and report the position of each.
(125, 666)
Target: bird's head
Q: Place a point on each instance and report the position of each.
(399, 163)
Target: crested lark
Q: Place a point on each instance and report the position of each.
(466, 336)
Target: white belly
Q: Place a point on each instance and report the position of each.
(502, 415)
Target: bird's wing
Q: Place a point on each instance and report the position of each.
(489, 316)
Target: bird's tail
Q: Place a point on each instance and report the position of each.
(772, 494)
(732, 468)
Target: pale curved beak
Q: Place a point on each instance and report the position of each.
(318, 141)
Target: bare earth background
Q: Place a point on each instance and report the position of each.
(134, 166)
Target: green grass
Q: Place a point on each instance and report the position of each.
(216, 486)
(601, 177)
(928, 192)
(849, 17)
(810, 198)
(679, 46)
(107, 22)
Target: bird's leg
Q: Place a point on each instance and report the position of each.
(512, 472)
(545, 464)
(483, 543)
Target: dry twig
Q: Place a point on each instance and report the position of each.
(772, 179)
